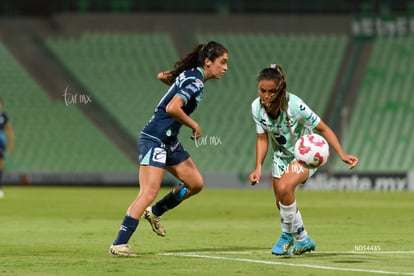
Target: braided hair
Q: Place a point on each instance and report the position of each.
(196, 57)
(277, 102)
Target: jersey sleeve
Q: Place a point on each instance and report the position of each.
(311, 119)
(189, 87)
(256, 116)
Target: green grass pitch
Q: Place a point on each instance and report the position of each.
(67, 231)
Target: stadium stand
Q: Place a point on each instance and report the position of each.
(119, 70)
(102, 62)
(311, 63)
(116, 64)
(381, 125)
(50, 135)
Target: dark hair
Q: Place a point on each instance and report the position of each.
(196, 57)
(277, 103)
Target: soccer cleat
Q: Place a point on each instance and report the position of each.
(155, 222)
(300, 247)
(121, 250)
(283, 244)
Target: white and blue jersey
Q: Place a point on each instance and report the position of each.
(189, 85)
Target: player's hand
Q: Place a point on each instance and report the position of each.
(164, 77)
(351, 160)
(197, 133)
(254, 177)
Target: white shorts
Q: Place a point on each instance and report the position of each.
(281, 164)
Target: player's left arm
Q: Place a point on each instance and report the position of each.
(175, 110)
(333, 140)
(10, 136)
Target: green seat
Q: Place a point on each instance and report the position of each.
(119, 70)
(50, 136)
(311, 63)
(380, 130)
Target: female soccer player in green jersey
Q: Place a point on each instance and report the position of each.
(283, 118)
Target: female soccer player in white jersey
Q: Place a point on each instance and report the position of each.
(282, 118)
(159, 148)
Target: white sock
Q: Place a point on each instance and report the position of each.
(287, 216)
(298, 227)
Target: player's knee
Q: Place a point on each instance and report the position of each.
(196, 186)
(283, 189)
(197, 189)
(148, 197)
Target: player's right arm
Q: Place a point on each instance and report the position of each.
(163, 77)
(262, 143)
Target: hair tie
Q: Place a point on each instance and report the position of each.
(273, 66)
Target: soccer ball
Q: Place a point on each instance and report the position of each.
(311, 151)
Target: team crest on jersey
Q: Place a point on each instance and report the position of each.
(289, 122)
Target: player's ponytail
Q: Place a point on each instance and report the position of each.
(277, 103)
(197, 57)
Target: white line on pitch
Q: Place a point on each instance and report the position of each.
(366, 252)
(203, 256)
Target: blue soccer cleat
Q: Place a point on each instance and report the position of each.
(300, 247)
(283, 244)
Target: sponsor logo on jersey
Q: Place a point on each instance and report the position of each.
(198, 83)
(159, 155)
(192, 87)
